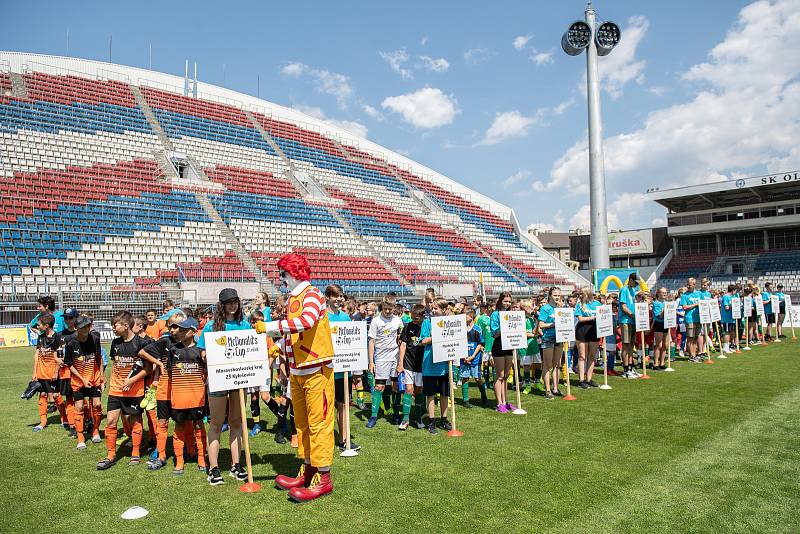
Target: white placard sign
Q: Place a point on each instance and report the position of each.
(792, 318)
(759, 305)
(349, 346)
(776, 303)
(564, 319)
(705, 312)
(670, 314)
(512, 330)
(787, 299)
(605, 320)
(236, 359)
(713, 307)
(449, 338)
(736, 308)
(748, 306)
(642, 311)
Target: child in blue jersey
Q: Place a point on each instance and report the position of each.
(766, 298)
(690, 302)
(660, 334)
(780, 313)
(704, 338)
(680, 320)
(586, 336)
(627, 325)
(552, 351)
(726, 314)
(434, 374)
(471, 365)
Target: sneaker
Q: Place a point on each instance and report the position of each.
(403, 425)
(510, 407)
(501, 408)
(635, 373)
(467, 404)
(97, 439)
(51, 408)
(527, 390)
(280, 438)
(80, 446)
(255, 431)
(153, 455)
(203, 469)
(156, 464)
(360, 404)
(444, 424)
(397, 419)
(215, 477)
(89, 426)
(557, 393)
(371, 422)
(105, 463)
(122, 439)
(238, 472)
(538, 386)
(177, 472)
(37, 428)
(432, 428)
(583, 384)
(419, 425)
(353, 446)
(73, 433)
(592, 384)
(549, 395)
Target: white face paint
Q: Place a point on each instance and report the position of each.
(288, 282)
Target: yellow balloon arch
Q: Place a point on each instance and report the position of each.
(612, 278)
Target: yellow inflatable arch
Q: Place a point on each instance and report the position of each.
(615, 279)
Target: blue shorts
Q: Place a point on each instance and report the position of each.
(470, 371)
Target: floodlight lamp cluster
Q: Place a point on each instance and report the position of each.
(579, 35)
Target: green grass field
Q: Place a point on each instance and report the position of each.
(709, 448)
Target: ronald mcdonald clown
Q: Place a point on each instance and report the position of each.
(309, 350)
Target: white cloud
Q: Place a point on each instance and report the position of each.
(744, 117)
(435, 65)
(514, 178)
(294, 69)
(507, 126)
(658, 221)
(372, 112)
(396, 60)
(424, 40)
(542, 58)
(563, 106)
(521, 41)
(427, 108)
(475, 56)
(353, 127)
(330, 83)
(556, 224)
(621, 66)
(657, 90)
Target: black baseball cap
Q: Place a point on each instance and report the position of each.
(228, 294)
(82, 321)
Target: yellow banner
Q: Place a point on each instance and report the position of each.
(13, 336)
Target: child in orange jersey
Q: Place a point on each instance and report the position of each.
(126, 389)
(45, 368)
(83, 357)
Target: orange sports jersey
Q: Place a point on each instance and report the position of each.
(161, 349)
(155, 330)
(63, 370)
(124, 356)
(86, 358)
(46, 365)
(187, 378)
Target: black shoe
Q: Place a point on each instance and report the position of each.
(353, 446)
(89, 426)
(238, 472)
(557, 393)
(105, 463)
(467, 404)
(583, 384)
(156, 464)
(432, 428)
(73, 433)
(593, 384)
(444, 424)
(215, 477)
(419, 425)
(280, 438)
(484, 401)
(51, 408)
(30, 391)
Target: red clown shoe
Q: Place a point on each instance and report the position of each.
(320, 485)
(303, 478)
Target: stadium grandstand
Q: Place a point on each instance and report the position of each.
(734, 230)
(124, 179)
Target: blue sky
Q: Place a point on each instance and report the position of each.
(481, 91)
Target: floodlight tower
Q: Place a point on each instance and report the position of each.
(577, 38)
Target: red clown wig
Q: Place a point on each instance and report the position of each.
(296, 265)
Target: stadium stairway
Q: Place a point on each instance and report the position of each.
(234, 243)
(18, 88)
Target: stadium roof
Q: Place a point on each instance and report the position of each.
(727, 193)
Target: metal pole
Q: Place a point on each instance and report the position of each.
(110, 43)
(258, 85)
(598, 241)
(67, 41)
(150, 57)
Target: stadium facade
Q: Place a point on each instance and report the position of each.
(124, 179)
(734, 230)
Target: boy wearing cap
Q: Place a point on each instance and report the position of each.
(126, 389)
(83, 357)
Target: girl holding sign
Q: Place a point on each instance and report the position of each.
(660, 333)
(586, 337)
(228, 315)
(551, 351)
(503, 359)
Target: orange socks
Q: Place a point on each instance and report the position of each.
(62, 409)
(70, 411)
(161, 439)
(43, 410)
(200, 442)
(188, 431)
(97, 417)
(111, 441)
(152, 428)
(126, 426)
(177, 445)
(79, 425)
(136, 436)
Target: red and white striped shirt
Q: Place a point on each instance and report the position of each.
(314, 306)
